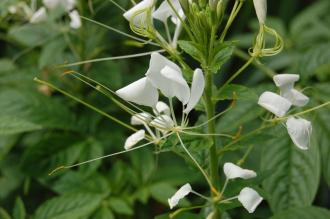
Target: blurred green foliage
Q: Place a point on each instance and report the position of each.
(41, 129)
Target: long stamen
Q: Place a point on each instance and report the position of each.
(208, 134)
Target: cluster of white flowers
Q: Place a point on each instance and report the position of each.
(299, 129)
(248, 197)
(166, 76)
(68, 5)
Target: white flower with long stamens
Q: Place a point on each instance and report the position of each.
(141, 118)
(180, 194)
(138, 13)
(164, 11)
(233, 171)
(300, 131)
(39, 16)
(250, 199)
(162, 108)
(134, 139)
(141, 92)
(261, 10)
(274, 103)
(167, 77)
(75, 22)
(162, 122)
(286, 84)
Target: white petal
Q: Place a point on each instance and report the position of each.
(274, 103)
(75, 22)
(285, 81)
(138, 12)
(164, 10)
(171, 82)
(140, 118)
(180, 194)
(134, 139)
(141, 92)
(39, 16)
(162, 108)
(250, 199)
(197, 88)
(261, 10)
(300, 131)
(233, 171)
(296, 97)
(178, 84)
(163, 122)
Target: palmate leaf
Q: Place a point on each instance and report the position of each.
(71, 206)
(19, 211)
(303, 213)
(295, 173)
(12, 125)
(236, 92)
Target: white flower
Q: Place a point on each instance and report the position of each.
(286, 84)
(39, 16)
(75, 22)
(162, 108)
(250, 199)
(233, 171)
(300, 131)
(66, 4)
(167, 77)
(134, 139)
(197, 88)
(261, 10)
(140, 118)
(274, 103)
(164, 11)
(139, 13)
(141, 92)
(181, 193)
(162, 122)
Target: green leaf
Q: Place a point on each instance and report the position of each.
(103, 213)
(223, 51)
(236, 92)
(191, 49)
(120, 206)
(303, 213)
(32, 35)
(12, 125)
(322, 130)
(71, 206)
(6, 65)
(4, 214)
(162, 192)
(92, 149)
(19, 209)
(52, 53)
(295, 173)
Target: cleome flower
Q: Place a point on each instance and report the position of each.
(165, 76)
(248, 197)
(299, 129)
(68, 5)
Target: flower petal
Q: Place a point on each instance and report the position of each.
(180, 194)
(164, 10)
(274, 103)
(39, 16)
(197, 88)
(296, 97)
(250, 199)
(134, 139)
(141, 92)
(171, 82)
(285, 81)
(233, 171)
(178, 84)
(300, 131)
(261, 10)
(140, 118)
(137, 12)
(75, 22)
(162, 108)
(162, 122)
